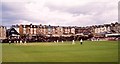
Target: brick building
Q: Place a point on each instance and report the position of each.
(2, 33)
(48, 31)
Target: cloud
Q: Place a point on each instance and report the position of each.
(59, 12)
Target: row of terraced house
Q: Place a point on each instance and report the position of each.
(53, 33)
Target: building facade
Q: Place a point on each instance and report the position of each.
(2, 33)
(67, 31)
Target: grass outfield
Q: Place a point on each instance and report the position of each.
(102, 51)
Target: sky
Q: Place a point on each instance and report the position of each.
(58, 12)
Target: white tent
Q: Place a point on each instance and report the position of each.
(115, 34)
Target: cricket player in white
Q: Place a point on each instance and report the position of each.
(81, 41)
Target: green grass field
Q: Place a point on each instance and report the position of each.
(102, 51)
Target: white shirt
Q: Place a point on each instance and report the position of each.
(81, 40)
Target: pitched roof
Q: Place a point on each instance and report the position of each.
(12, 31)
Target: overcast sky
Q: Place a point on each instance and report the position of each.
(59, 12)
